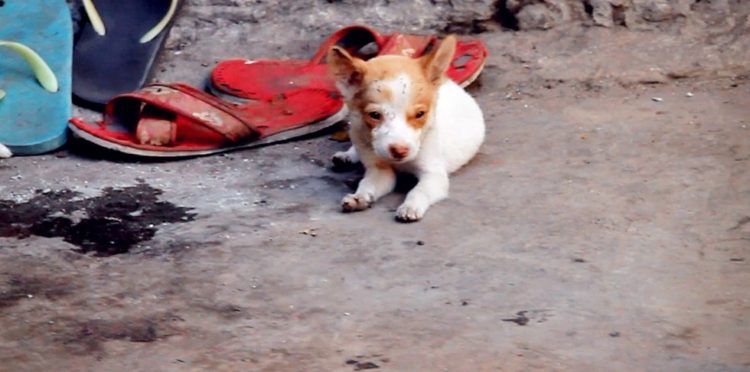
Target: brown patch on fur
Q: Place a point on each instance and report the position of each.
(382, 164)
(387, 68)
(361, 104)
(426, 75)
(385, 93)
(390, 66)
(423, 106)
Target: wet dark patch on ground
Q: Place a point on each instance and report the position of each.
(109, 224)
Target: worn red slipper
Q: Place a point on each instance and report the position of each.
(248, 79)
(176, 120)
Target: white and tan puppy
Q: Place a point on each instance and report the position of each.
(406, 115)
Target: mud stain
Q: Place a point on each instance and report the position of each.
(360, 366)
(520, 319)
(525, 317)
(107, 225)
(742, 222)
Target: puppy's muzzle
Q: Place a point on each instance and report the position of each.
(398, 151)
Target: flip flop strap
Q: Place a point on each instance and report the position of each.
(94, 17)
(42, 71)
(98, 24)
(159, 27)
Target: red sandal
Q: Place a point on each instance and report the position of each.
(176, 120)
(247, 79)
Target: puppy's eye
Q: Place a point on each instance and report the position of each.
(420, 114)
(375, 115)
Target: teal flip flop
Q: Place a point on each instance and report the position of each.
(36, 43)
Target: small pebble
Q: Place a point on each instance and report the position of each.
(689, 94)
(309, 232)
(656, 99)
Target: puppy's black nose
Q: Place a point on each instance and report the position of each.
(398, 151)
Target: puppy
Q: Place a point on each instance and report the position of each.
(4, 152)
(406, 115)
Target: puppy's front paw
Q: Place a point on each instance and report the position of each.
(410, 212)
(355, 202)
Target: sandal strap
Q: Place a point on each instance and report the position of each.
(188, 104)
(397, 43)
(341, 34)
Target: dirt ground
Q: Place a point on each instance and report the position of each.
(605, 224)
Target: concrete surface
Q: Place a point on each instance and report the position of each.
(605, 225)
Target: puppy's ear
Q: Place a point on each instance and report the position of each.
(347, 70)
(436, 63)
